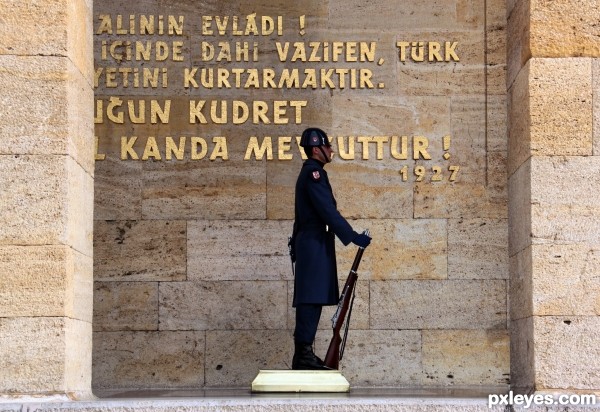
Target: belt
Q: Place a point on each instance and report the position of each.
(314, 226)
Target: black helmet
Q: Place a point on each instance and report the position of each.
(314, 137)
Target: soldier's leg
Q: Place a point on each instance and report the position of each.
(307, 321)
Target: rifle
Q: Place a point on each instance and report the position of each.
(337, 344)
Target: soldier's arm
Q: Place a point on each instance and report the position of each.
(321, 197)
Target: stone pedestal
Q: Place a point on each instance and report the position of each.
(300, 381)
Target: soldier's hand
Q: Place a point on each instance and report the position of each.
(362, 240)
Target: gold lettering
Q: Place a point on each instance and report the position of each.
(283, 146)
(450, 54)
(157, 112)
(171, 148)
(403, 153)
(260, 113)
(379, 141)
(420, 145)
(198, 141)
(196, 112)
(365, 140)
(240, 112)
(220, 149)
(434, 51)
(343, 153)
(98, 156)
(259, 150)
(151, 149)
(127, 148)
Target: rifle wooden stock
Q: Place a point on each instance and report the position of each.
(332, 359)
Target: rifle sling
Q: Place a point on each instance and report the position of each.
(343, 344)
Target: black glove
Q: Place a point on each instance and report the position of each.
(362, 240)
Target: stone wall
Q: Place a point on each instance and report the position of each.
(553, 164)
(193, 284)
(46, 198)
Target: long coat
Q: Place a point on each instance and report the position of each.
(317, 220)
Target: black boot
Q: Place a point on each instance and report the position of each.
(305, 358)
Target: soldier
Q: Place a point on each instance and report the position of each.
(317, 222)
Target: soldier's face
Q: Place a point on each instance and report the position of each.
(324, 153)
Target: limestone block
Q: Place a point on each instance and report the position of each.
(197, 189)
(455, 14)
(388, 116)
(433, 304)
(54, 28)
(239, 250)
(401, 249)
(519, 208)
(562, 207)
(32, 126)
(560, 98)
(561, 342)
(148, 360)
(497, 130)
(146, 250)
(496, 170)
(222, 305)
(360, 312)
(466, 357)
(460, 200)
(519, 121)
(523, 367)
(518, 36)
(370, 190)
(468, 144)
(521, 285)
(120, 306)
(380, 357)
(83, 287)
(596, 108)
(565, 280)
(125, 9)
(477, 249)
(431, 81)
(117, 189)
(496, 74)
(574, 28)
(45, 281)
(496, 17)
(78, 364)
(464, 77)
(234, 357)
(281, 186)
(45, 355)
(315, 11)
(52, 206)
(510, 4)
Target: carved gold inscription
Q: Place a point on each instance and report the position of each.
(152, 69)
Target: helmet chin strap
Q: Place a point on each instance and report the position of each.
(327, 159)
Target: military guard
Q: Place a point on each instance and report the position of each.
(312, 246)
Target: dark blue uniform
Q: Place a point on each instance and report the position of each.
(317, 222)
